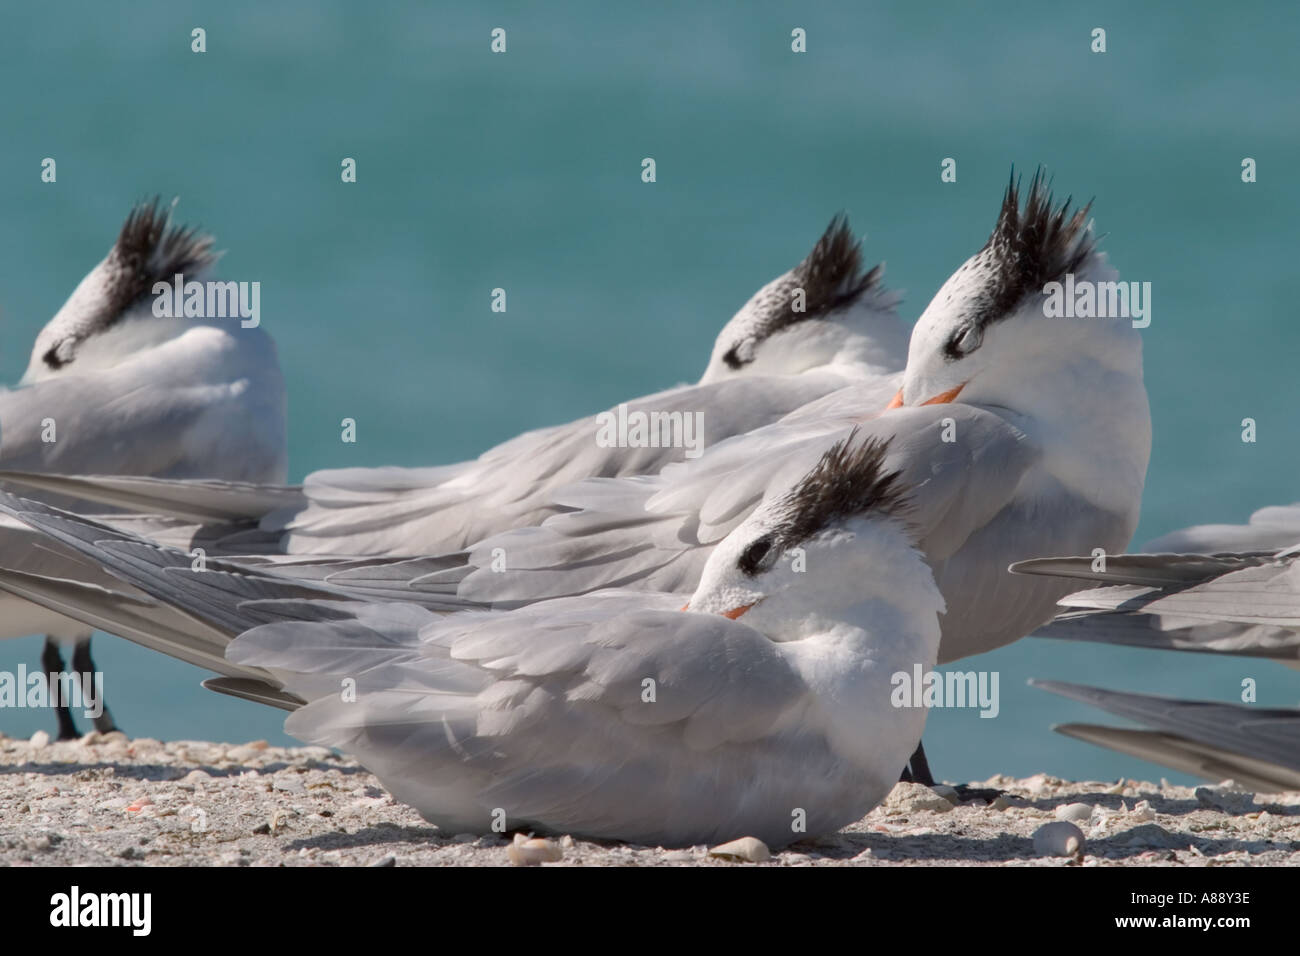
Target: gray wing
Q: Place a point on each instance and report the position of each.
(142, 591)
(1187, 756)
(27, 551)
(1157, 632)
(655, 533)
(1246, 604)
(544, 714)
(427, 511)
(46, 581)
(1259, 744)
(1145, 570)
(29, 555)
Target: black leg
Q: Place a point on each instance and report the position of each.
(918, 771)
(52, 661)
(920, 767)
(82, 664)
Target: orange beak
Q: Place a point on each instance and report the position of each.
(943, 398)
(734, 613)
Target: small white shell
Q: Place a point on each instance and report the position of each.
(749, 849)
(193, 780)
(1074, 812)
(1058, 839)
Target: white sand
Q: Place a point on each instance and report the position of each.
(109, 800)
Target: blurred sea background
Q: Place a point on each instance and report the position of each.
(522, 171)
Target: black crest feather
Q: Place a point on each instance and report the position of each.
(1034, 246)
(848, 480)
(831, 277)
(149, 249)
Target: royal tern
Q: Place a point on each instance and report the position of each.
(112, 388)
(765, 707)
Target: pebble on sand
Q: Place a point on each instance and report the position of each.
(1061, 838)
(1155, 836)
(193, 779)
(909, 797)
(533, 852)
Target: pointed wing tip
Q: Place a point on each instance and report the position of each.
(1036, 565)
(256, 691)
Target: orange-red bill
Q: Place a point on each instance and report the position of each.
(943, 398)
(734, 613)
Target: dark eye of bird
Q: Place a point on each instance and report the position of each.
(732, 358)
(51, 358)
(751, 559)
(964, 341)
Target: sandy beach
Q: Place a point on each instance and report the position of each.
(108, 800)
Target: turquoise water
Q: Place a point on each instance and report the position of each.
(522, 171)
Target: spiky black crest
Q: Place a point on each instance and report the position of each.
(846, 481)
(1033, 247)
(149, 249)
(831, 277)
